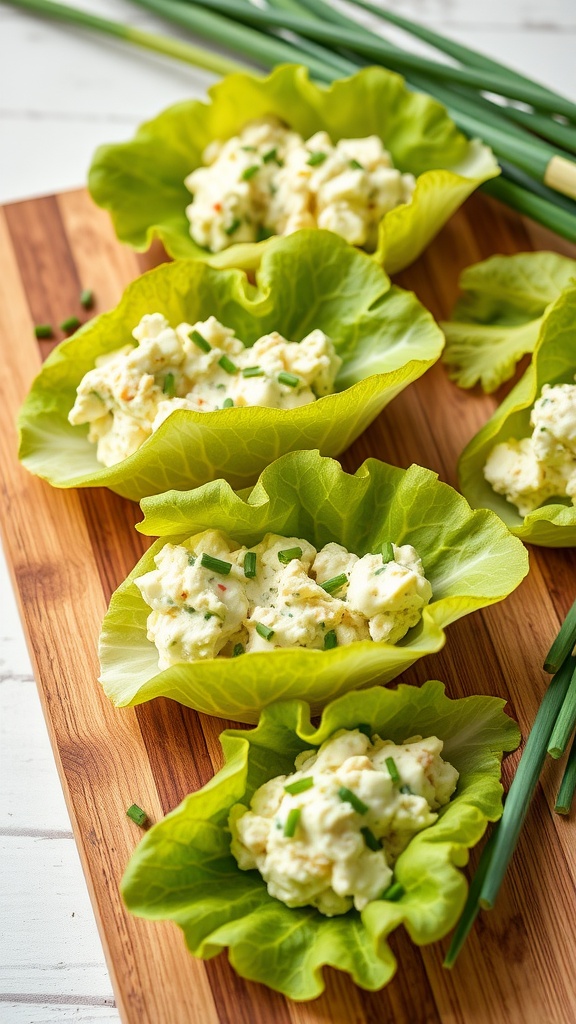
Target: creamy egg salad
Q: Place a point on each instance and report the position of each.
(328, 835)
(269, 180)
(210, 596)
(201, 366)
(530, 471)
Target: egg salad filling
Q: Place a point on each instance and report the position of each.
(530, 471)
(212, 597)
(328, 835)
(201, 366)
(270, 181)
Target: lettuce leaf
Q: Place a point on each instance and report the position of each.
(554, 362)
(469, 557)
(311, 279)
(500, 315)
(183, 869)
(141, 182)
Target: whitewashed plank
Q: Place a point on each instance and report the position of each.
(46, 1013)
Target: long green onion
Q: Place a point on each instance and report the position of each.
(472, 906)
(568, 785)
(563, 644)
(533, 206)
(565, 723)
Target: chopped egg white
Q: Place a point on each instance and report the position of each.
(279, 593)
(531, 471)
(328, 835)
(201, 366)
(269, 180)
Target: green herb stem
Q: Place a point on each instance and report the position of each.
(71, 323)
(238, 650)
(387, 552)
(563, 644)
(228, 403)
(565, 723)
(252, 371)
(568, 785)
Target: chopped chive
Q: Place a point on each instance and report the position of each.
(388, 551)
(367, 730)
(227, 364)
(250, 565)
(317, 158)
(264, 631)
(87, 298)
(300, 786)
(43, 330)
(392, 769)
(168, 387)
(250, 172)
(208, 616)
(248, 149)
(271, 155)
(70, 324)
(370, 839)
(288, 554)
(356, 165)
(394, 892)
(188, 608)
(238, 650)
(137, 815)
(406, 791)
(228, 403)
(191, 560)
(252, 371)
(292, 822)
(330, 640)
(350, 798)
(336, 583)
(568, 784)
(215, 564)
(563, 644)
(199, 341)
(289, 379)
(233, 227)
(565, 723)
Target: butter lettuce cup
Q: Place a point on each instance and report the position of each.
(309, 284)
(141, 182)
(185, 869)
(463, 560)
(517, 460)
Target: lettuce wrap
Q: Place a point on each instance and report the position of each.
(553, 362)
(141, 182)
(183, 869)
(311, 279)
(470, 559)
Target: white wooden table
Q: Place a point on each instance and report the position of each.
(62, 92)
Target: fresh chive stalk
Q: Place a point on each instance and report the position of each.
(137, 815)
(87, 298)
(392, 770)
(292, 821)
(317, 158)
(565, 723)
(330, 640)
(388, 552)
(249, 172)
(199, 341)
(264, 631)
(233, 227)
(215, 564)
(228, 403)
(565, 796)
(70, 324)
(44, 331)
(250, 565)
(300, 786)
(334, 584)
(252, 371)
(168, 386)
(394, 892)
(271, 155)
(238, 650)
(370, 839)
(356, 165)
(227, 365)
(289, 379)
(529, 205)
(288, 554)
(349, 797)
(563, 644)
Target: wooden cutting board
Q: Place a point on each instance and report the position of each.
(68, 550)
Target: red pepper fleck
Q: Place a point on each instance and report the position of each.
(221, 586)
(217, 207)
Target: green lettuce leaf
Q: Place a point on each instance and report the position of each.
(311, 279)
(554, 362)
(469, 557)
(500, 315)
(141, 182)
(183, 869)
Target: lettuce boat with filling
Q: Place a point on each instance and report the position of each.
(312, 279)
(470, 559)
(184, 871)
(141, 182)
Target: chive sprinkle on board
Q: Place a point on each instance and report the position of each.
(43, 330)
(87, 298)
(215, 564)
(70, 324)
(199, 341)
(137, 815)
(300, 786)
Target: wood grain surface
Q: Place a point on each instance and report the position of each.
(69, 549)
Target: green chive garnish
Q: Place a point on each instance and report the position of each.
(248, 149)
(250, 172)
(253, 371)
(198, 340)
(392, 769)
(215, 564)
(43, 330)
(227, 364)
(228, 403)
(288, 554)
(289, 379)
(336, 583)
(238, 650)
(356, 165)
(191, 560)
(233, 227)
(350, 798)
(87, 298)
(406, 791)
(300, 786)
(370, 839)
(250, 565)
(315, 159)
(388, 551)
(271, 155)
(265, 632)
(563, 644)
(137, 815)
(292, 822)
(168, 387)
(330, 640)
(394, 892)
(70, 324)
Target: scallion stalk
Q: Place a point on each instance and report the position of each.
(472, 905)
(565, 723)
(563, 644)
(568, 785)
(548, 214)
